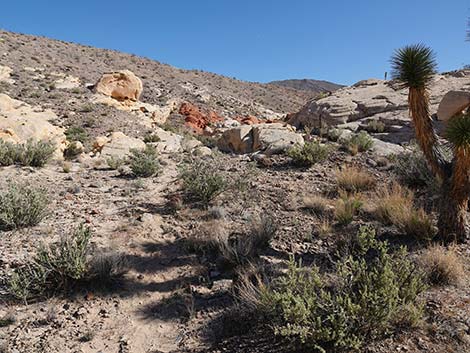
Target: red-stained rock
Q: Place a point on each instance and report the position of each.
(196, 119)
(248, 120)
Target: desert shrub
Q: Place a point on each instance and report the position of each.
(394, 205)
(201, 180)
(7, 320)
(76, 133)
(22, 206)
(346, 207)
(150, 138)
(412, 169)
(442, 266)
(334, 134)
(31, 153)
(61, 266)
(309, 154)
(367, 299)
(376, 126)
(73, 150)
(352, 179)
(360, 142)
(144, 163)
(115, 163)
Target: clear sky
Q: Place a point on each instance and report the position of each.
(257, 40)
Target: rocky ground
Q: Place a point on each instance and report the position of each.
(172, 298)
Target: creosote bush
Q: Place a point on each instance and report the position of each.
(360, 142)
(442, 266)
(76, 133)
(22, 206)
(412, 169)
(64, 265)
(369, 296)
(144, 163)
(352, 179)
(201, 180)
(394, 205)
(309, 154)
(31, 153)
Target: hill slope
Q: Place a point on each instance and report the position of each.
(314, 86)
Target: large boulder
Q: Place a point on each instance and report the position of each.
(121, 85)
(119, 145)
(269, 138)
(19, 122)
(275, 138)
(453, 102)
(364, 99)
(196, 119)
(5, 73)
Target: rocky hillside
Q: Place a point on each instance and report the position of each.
(315, 86)
(29, 55)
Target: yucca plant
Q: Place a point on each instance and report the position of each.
(414, 67)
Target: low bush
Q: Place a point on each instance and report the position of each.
(31, 153)
(201, 180)
(316, 204)
(412, 169)
(352, 179)
(61, 266)
(73, 150)
(115, 163)
(375, 126)
(151, 138)
(309, 154)
(442, 266)
(144, 163)
(76, 133)
(360, 142)
(22, 206)
(369, 297)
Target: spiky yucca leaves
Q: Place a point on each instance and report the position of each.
(453, 217)
(414, 65)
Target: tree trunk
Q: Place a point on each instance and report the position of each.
(454, 199)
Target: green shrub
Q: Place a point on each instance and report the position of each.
(376, 126)
(334, 134)
(412, 169)
(360, 142)
(76, 133)
(149, 138)
(201, 180)
(22, 206)
(31, 153)
(62, 266)
(115, 163)
(369, 297)
(144, 163)
(309, 154)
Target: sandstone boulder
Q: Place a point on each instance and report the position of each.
(453, 103)
(121, 85)
(274, 138)
(197, 119)
(119, 145)
(169, 141)
(269, 138)
(20, 122)
(5, 73)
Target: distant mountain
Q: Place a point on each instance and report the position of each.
(315, 86)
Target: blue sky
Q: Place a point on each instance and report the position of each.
(341, 41)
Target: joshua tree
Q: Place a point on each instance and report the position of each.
(414, 66)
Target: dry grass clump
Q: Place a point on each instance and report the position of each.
(347, 206)
(394, 205)
(352, 179)
(443, 266)
(316, 204)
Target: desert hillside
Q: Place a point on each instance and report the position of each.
(309, 85)
(145, 208)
